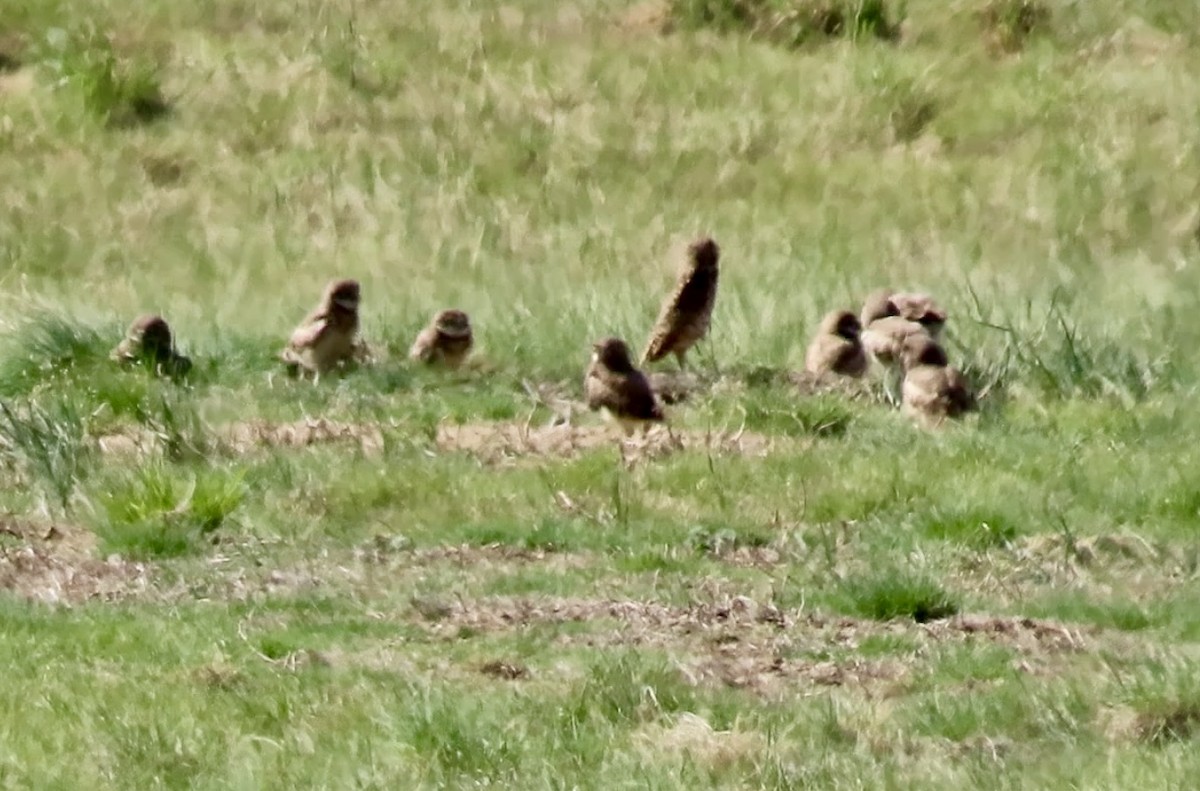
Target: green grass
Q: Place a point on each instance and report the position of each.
(822, 596)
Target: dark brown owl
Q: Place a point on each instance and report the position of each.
(686, 313)
(149, 340)
(837, 348)
(613, 385)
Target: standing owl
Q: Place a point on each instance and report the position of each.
(687, 312)
(447, 340)
(613, 385)
(327, 337)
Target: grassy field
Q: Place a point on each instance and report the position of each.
(402, 578)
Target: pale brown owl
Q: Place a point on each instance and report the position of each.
(933, 389)
(687, 312)
(613, 385)
(885, 330)
(837, 347)
(913, 306)
(148, 340)
(446, 341)
(327, 338)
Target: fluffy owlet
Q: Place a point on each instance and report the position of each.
(149, 340)
(447, 340)
(837, 347)
(326, 339)
(686, 314)
(912, 305)
(933, 389)
(613, 385)
(886, 328)
(921, 308)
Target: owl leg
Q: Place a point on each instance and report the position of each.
(673, 441)
(892, 382)
(679, 356)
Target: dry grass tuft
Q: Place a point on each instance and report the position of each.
(692, 736)
(789, 23)
(1009, 24)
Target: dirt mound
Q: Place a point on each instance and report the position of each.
(747, 644)
(1103, 549)
(652, 16)
(247, 436)
(647, 619)
(56, 565)
(302, 433)
(503, 442)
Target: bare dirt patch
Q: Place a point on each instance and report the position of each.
(643, 620)
(650, 17)
(245, 437)
(500, 443)
(1103, 565)
(56, 564)
(385, 560)
(508, 671)
(16, 82)
(303, 433)
(745, 644)
(484, 558)
(692, 736)
(1104, 549)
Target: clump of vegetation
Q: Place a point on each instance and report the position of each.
(11, 52)
(790, 23)
(890, 595)
(1009, 24)
(718, 541)
(45, 440)
(905, 106)
(175, 426)
(47, 345)
(820, 416)
(912, 110)
(122, 92)
(166, 512)
(1169, 722)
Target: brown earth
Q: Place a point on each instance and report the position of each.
(56, 564)
(500, 443)
(741, 643)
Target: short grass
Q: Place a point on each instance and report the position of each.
(834, 600)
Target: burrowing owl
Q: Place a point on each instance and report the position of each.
(149, 340)
(686, 314)
(886, 328)
(884, 305)
(613, 385)
(837, 347)
(933, 389)
(447, 340)
(326, 338)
